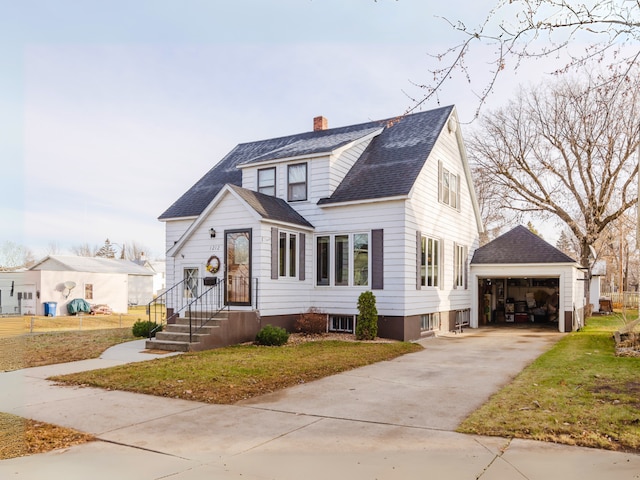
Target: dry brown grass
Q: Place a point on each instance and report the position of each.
(20, 437)
(27, 351)
(228, 375)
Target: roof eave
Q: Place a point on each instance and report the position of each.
(364, 201)
(296, 158)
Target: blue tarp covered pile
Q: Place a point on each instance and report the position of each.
(78, 305)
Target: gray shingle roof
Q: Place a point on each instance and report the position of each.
(388, 167)
(316, 145)
(519, 246)
(391, 163)
(75, 263)
(271, 208)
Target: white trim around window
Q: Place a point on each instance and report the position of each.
(267, 181)
(287, 254)
(430, 261)
(297, 182)
(448, 187)
(343, 259)
(459, 266)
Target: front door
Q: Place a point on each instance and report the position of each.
(237, 244)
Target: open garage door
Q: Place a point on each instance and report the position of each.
(519, 301)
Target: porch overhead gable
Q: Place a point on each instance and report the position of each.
(259, 206)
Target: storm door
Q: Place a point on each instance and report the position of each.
(191, 283)
(238, 267)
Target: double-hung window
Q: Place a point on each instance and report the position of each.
(430, 262)
(459, 266)
(267, 181)
(297, 182)
(448, 187)
(287, 254)
(342, 260)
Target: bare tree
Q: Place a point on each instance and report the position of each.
(565, 150)
(85, 250)
(53, 248)
(14, 256)
(494, 218)
(521, 30)
(617, 246)
(135, 251)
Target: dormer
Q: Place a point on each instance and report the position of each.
(311, 166)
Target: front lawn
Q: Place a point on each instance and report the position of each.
(227, 375)
(578, 393)
(26, 351)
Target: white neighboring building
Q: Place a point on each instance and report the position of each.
(100, 281)
(17, 297)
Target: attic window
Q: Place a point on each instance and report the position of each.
(297, 182)
(448, 187)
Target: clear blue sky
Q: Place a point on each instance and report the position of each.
(110, 110)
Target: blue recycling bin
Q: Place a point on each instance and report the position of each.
(50, 309)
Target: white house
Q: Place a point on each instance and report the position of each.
(103, 281)
(16, 296)
(312, 220)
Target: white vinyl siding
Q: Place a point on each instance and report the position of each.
(437, 220)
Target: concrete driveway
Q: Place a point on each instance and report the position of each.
(391, 420)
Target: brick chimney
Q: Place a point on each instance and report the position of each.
(320, 123)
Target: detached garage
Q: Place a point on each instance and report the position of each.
(518, 278)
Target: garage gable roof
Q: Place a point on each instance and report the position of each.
(519, 246)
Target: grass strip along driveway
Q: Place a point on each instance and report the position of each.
(228, 375)
(578, 393)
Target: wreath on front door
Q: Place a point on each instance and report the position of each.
(213, 264)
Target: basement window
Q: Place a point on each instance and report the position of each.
(341, 323)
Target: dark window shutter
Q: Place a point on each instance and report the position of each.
(301, 257)
(418, 259)
(377, 259)
(274, 253)
(441, 264)
(466, 268)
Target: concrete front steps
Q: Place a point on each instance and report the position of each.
(175, 337)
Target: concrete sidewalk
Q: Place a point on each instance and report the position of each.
(391, 420)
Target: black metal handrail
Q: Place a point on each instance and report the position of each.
(201, 309)
(157, 308)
